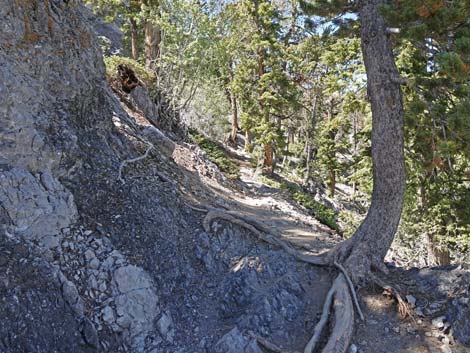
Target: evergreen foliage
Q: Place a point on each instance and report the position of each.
(288, 74)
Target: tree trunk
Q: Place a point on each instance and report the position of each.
(307, 162)
(354, 126)
(233, 134)
(268, 158)
(331, 154)
(370, 243)
(310, 127)
(234, 107)
(134, 39)
(291, 135)
(152, 44)
(331, 182)
(248, 145)
(436, 255)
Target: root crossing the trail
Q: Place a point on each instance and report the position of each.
(339, 298)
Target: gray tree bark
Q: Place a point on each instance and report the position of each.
(134, 39)
(370, 243)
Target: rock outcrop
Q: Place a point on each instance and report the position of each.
(56, 129)
(90, 263)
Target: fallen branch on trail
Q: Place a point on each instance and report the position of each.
(133, 160)
(266, 344)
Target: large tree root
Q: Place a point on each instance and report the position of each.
(262, 232)
(342, 331)
(340, 294)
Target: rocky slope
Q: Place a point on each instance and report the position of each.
(101, 255)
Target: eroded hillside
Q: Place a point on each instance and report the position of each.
(105, 245)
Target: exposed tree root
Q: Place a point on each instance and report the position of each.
(342, 331)
(323, 321)
(340, 293)
(262, 232)
(404, 309)
(351, 287)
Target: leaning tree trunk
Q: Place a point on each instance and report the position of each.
(369, 245)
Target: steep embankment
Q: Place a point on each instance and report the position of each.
(103, 252)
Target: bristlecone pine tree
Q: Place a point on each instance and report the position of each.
(370, 243)
(367, 248)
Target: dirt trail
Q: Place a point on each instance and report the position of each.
(202, 184)
(268, 205)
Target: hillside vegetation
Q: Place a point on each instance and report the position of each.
(243, 176)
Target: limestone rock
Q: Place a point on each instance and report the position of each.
(72, 297)
(108, 315)
(136, 303)
(89, 333)
(235, 342)
(37, 206)
(164, 326)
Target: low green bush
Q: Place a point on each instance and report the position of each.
(216, 154)
(142, 73)
(321, 212)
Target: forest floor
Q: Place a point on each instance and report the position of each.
(201, 184)
(119, 256)
(217, 290)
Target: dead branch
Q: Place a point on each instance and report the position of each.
(133, 160)
(197, 209)
(404, 308)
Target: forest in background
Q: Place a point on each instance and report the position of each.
(288, 76)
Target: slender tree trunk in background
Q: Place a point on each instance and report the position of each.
(268, 158)
(354, 126)
(307, 162)
(234, 107)
(331, 182)
(436, 256)
(291, 135)
(233, 134)
(370, 243)
(248, 145)
(152, 44)
(310, 127)
(134, 39)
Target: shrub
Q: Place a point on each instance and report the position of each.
(216, 154)
(142, 73)
(321, 212)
